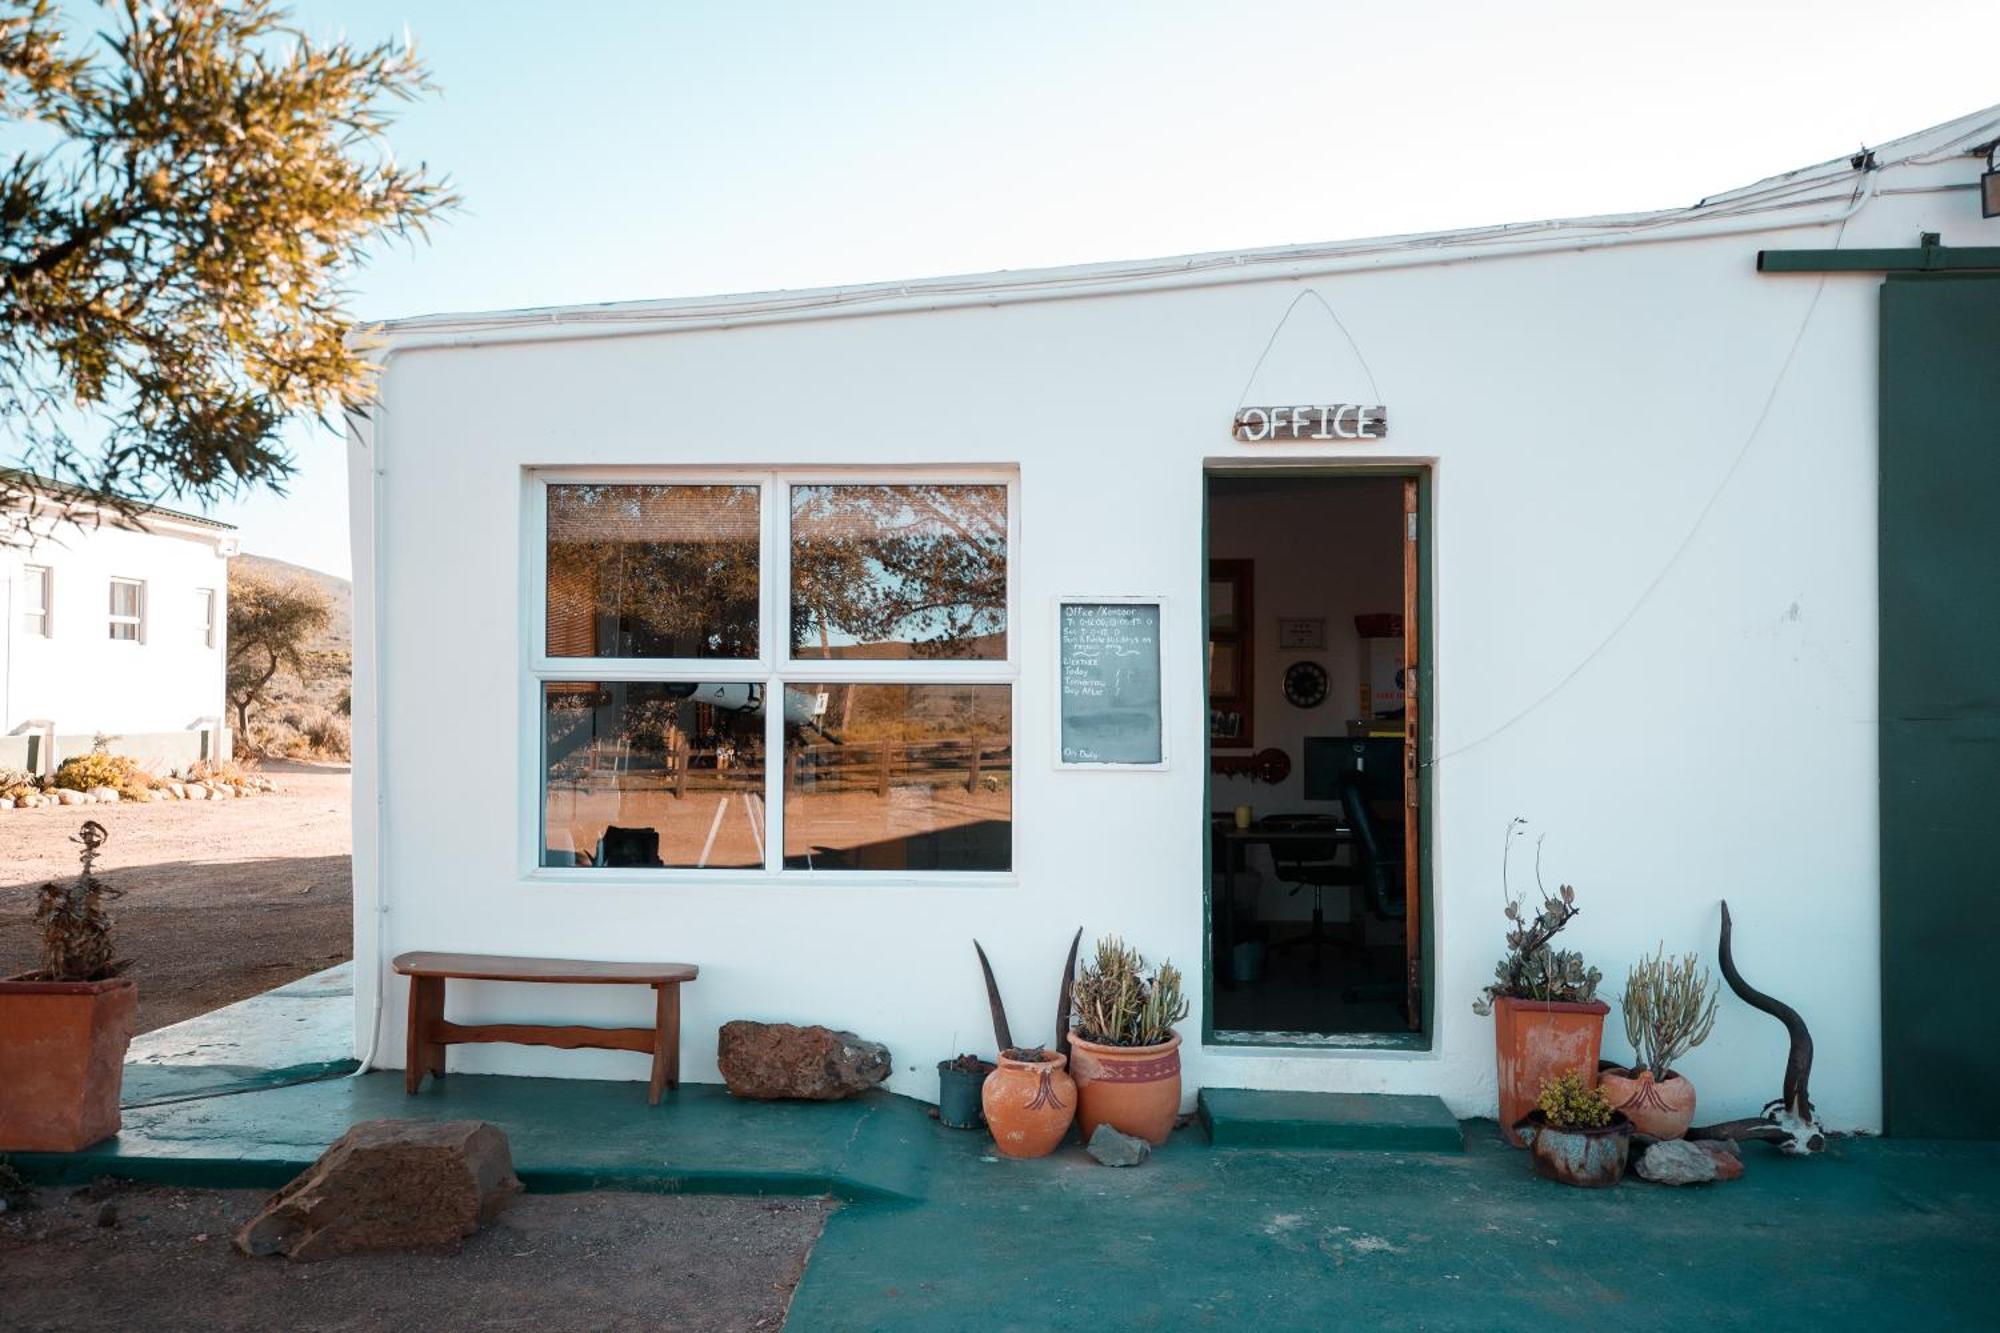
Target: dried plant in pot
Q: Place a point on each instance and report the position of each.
(64, 1028)
(1547, 1019)
(1124, 1052)
(1029, 1099)
(1574, 1136)
(1668, 1012)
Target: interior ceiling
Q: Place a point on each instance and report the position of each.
(1247, 487)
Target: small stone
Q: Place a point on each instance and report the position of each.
(389, 1185)
(778, 1061)
(1728, 1163)
(6, 803)
(1112, 1147)
(197, 792)
(104, 795)
(67, 796)
(107, 1216)
(1677, 1162)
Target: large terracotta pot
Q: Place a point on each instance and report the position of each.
(1662, 1109)
(1590, 1158)
(1135, 1089)
(1537, 1040)
(1028, 1105)
(62, 1061)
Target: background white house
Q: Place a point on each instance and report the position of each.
(115, 626)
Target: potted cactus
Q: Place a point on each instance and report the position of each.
(1668, 1012)
(64, 1027)
(1574, 1136)
(1547, 1019)
(1124, 1052)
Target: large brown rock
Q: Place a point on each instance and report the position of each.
(389, 1185)
(769, 1061)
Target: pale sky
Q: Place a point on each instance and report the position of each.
(624, 151)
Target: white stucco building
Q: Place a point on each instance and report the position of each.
(116, 626)
(1637, 477)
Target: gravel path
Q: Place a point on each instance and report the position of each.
(550, 1262)
(223, 899)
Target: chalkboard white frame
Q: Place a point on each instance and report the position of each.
(1056, 710)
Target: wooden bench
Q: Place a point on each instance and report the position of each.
(430, 1032)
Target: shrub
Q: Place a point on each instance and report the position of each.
(327, 733)
(1567, 1104)
(85, 772)
(16, 783)
(232, 772)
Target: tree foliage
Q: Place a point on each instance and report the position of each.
(187, 192)
(271, 620)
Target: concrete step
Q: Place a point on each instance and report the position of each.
(1350, 1121)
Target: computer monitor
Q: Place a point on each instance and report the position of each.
(1378, 759)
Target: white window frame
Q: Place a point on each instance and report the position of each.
(207, 625)
(774, 667)
(113, 619)
(45, 576)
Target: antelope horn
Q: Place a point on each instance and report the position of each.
(1001, 1034)
(1756, 1127)
(1798, 1064)
(1067, 995)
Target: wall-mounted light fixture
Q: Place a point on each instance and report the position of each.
(1989, 184)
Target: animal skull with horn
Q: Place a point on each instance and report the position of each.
(1788, 1121)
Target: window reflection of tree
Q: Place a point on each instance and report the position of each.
(652, 571)
(917, 565)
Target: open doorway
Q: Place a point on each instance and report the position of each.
(1314, 639)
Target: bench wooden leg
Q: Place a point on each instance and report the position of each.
(666, 1041)
(425, 1055)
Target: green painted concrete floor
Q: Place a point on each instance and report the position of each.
(937, 1233)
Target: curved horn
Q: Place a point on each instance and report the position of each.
(1756, 1127)
(1001, 1034)
(1066, 996)
(1798, 1065)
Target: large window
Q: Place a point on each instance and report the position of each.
(774, 673)
(128, 610)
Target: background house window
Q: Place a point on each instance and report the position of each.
(204, 616)
(873, 732)
(128, 610)
(37, 588)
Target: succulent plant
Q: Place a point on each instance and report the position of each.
(1119, 1003)
(1568, 1103)
(1668, 1010)
(1531, 969)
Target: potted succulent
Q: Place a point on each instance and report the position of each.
(1125, 1053)
(1547, 1019)
(1668, 1012)
(1574, 1136)
(64, 1027)
(961, 1080)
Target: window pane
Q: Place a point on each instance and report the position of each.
(898, 777)
(652, 774)
(124, 598)
(899, 571)
(652, 571)
(35, 585)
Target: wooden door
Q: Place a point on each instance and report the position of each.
(1412, 716)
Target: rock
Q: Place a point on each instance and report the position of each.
(1113, 1147)
(6, 803)
(104, 795)
(66, 796)
(769, 1061)
(1677, 1162)
(1728, 1162)
(197, 792)
(389, 1185)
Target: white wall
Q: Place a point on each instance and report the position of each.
(89, 683)
(1655, 636)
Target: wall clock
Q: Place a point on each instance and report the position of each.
(1305, 684)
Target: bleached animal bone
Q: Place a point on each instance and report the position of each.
(1789, 1121)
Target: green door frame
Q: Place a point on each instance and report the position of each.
(1422, 1039)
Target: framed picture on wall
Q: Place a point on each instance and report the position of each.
(1231, 654)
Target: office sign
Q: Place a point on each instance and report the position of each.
(1327, 422)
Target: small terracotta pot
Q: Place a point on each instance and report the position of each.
(1134, 1089)
(62, 1061)
(1537, 1040)
(1028, 1105)
(1589, 1158)
(1663, 1110)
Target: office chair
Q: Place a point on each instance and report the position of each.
(1311, 865)
(1380, 875)
(629, 847)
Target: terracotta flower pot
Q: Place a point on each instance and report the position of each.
(62, 1061)
(1134, 1089)
(1590, 1158)
(1537, 1040)
(1028, 1105)
(1662, 1109)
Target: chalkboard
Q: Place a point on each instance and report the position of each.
(1109, 686)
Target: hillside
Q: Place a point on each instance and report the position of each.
(339, 635)
(296, 716)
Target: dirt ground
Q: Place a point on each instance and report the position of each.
(222, 899)
(602, 1260)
